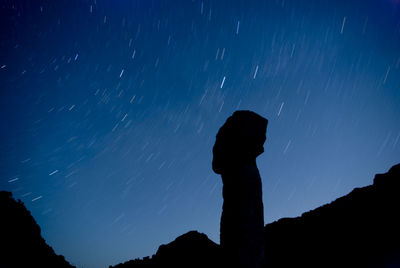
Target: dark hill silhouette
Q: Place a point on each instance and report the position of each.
(21, 242)
(361, 229)
(192, 249)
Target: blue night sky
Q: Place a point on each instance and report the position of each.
(109, 111)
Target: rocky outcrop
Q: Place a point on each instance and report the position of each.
(20, 239)
(361, 229)
(238, 142)
(192, 249)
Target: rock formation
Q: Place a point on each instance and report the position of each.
(192, 249)
(238, 142)
(21, 242)
(361, 229)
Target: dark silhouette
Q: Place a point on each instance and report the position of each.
(238, 142)
(361, 229)
(192, 249)
(21, 242)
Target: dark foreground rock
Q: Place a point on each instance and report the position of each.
(238, 143)
(361, 229)
(192, 249)
(20, 240)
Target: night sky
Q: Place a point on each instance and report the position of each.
(109, 111)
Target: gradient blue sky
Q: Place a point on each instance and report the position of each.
(109, 111)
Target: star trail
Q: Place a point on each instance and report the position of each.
(109, 111)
